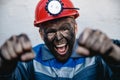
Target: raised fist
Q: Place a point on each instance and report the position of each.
(17, 47)
(92, 42)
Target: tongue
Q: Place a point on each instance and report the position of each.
(61, 50)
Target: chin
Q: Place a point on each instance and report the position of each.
(63, 58)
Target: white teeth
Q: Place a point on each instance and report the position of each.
(62, 45)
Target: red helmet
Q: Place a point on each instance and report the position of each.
(51, 9)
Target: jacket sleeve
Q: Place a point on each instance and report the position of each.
(23, 71)
(114, 66)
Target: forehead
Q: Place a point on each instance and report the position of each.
(58, 22)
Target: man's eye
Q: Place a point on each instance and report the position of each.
(51, 34)
(64, 29)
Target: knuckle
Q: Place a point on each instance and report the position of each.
(13, 37)
(5, 55)
(24, 37)
(8, 58)
(24, 40)
(27, 47)
(18, 48)
(13, 55)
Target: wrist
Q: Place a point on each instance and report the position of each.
(6, 67)
(115, 53)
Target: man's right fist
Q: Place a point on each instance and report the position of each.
(17, 47)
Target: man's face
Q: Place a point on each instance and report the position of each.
(59, 36)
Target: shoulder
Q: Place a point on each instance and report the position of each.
(37, 48)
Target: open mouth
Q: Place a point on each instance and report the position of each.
(61, 49)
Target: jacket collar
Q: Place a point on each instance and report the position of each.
(46, 54)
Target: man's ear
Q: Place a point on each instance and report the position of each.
(41, 34)
(76, 28)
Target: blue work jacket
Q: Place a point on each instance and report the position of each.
(45, 67)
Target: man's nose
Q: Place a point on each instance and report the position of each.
(59, 35)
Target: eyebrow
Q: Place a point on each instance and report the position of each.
(50, 30)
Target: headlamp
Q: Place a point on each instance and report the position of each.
(55, 7)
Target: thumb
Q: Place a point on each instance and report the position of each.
(82, 51)
(27, 56)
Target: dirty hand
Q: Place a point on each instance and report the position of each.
(92, 42)
(17, 48)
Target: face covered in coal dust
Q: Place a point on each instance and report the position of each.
(59, 36)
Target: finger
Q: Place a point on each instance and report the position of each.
(25, 42)
(84, 36)
(4, 53)
(99, 42)
(27, 56)
(17, 46)
(92, 39)
(82, 51)
(10, 49)
(106, 46)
